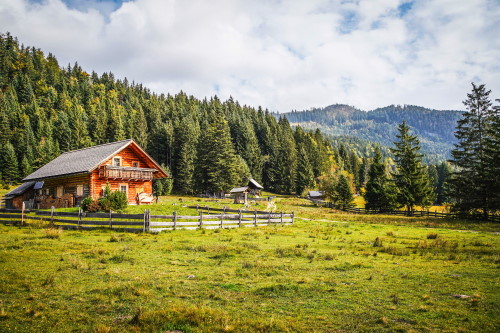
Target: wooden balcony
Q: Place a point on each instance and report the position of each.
(125, 173)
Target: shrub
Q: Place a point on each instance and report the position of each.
(104, 204)
(89, 205)
(118, 200)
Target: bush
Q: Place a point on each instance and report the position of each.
(89, 205)
(104, 204)
(118, 200)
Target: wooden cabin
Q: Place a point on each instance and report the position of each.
(75, 175)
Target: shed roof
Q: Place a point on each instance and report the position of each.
(239, 189)
(20, 189)
(316, 193)
(255, 184)
(84, 160)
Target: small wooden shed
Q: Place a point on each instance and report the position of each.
(254, 187)
(240, 193)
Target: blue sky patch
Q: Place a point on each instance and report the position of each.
(404, 8)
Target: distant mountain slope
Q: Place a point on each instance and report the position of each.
(434, 128)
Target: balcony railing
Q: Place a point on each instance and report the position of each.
(126, 173)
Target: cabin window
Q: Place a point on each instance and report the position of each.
(59, 191)
(135, 164)
(123, 188)
(117, 161)
(79, 190)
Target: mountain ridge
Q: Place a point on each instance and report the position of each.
(435, 128)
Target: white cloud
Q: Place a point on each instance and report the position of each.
(282, 55)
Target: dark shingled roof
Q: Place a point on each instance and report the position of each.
(20, 189)
(78, 161)
(255, 184)
(239, 190)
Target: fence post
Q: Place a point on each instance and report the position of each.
(293, 217)
(222, 218)
(22, 213)
(111, 218)
(79, 217)
(175, 220)
(269, 218)
(144, 227)
(255, 218)
(149, 220)
(208, 210)
(239, 219)
(201, 219)
(281, 217)
(52, 215)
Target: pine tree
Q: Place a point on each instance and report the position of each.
(444, 172)
(476, 174)
(8, 163)
(345, 197)
(379, 194)
(217, 162)
(26, 168)
(186, 135)
(305, 174)
(411, 178)
(492, 157)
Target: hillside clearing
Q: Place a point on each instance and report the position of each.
(351, 275)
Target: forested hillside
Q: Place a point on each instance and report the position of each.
(434, 128)
(208, 145)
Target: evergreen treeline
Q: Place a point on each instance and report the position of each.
(434, 128)
(208, 145)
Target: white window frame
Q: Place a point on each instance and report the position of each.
(113, 161)
(126, 188)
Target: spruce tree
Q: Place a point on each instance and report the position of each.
(345, 197)
(475, 176)
(305, 174)
(379, 194)
(217, 161)
(410, 179)
(8, 163)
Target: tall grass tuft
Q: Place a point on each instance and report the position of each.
(52, 233)
(378, 242)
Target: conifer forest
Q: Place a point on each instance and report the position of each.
(210, 145)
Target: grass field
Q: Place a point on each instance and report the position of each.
(329, 272)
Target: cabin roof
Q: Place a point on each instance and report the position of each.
(20, 189)
(85, 160)
(255, 184)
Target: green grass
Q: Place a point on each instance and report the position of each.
(328, 272)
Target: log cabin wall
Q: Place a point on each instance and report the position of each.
(78, 186)
(133, 187)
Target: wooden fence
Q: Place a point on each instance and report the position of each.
(416, 213)
(146, 222)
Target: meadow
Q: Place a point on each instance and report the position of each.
(329, 272)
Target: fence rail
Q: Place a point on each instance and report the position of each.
(146, 222)
(416, 213)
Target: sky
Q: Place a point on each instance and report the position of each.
(281, 55)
